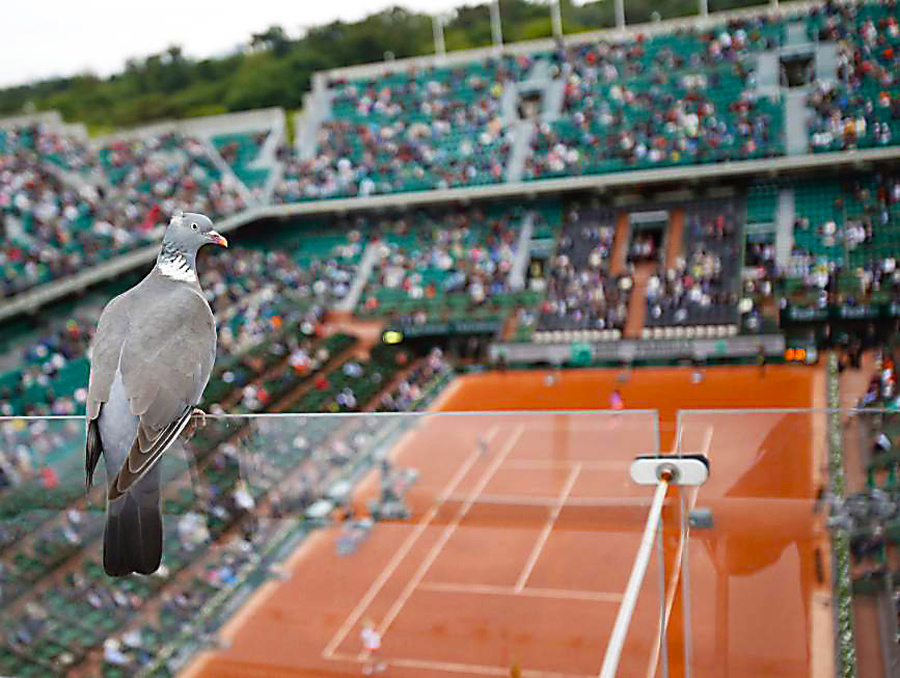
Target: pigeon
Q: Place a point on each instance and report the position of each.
(150, 361)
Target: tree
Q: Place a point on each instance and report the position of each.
(273, 39)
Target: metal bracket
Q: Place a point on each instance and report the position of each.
(683, 469)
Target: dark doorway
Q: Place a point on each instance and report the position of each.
(797, 70)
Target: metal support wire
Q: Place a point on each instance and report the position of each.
(635, 580)
(685, 585)
(661, 558)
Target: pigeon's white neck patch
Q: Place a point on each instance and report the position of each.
(173, 263)
(177, 269)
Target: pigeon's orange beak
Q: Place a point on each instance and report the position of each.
(217, 238)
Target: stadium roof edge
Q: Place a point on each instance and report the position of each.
(273, 117)
(35, 298)
(207, 125)
(545, 44)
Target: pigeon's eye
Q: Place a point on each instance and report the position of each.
(194, 226)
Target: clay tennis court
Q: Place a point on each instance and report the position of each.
(525, 528)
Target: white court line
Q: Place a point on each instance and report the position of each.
(398, 557)
(528, 592)
(457, 667)
(548, 528)
(448, 532)
(549, 464)
(478, 669)
(552, 501)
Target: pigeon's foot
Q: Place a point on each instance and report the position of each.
(197, 422)
(198, 414)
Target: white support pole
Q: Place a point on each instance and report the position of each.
(703, 7)
(774, 4)
(556, 19)
(437, 27)
(629, 599)
(496, 28)
(620, 13)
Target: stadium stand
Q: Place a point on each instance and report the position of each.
(654, 98)
(157, 174)
(861, 108)
(241, 150)
(583, 294)
(700, 289)
(50, 230)
(845, 240)
(409, 131)
(666, 100)
(436, 266)
(413, 388)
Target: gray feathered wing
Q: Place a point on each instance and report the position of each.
(164, 346)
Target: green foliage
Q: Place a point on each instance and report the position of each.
(273, 69)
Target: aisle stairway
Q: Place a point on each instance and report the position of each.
(523, 131)
(370, 257)
(523, 254)
(637, 307)
(620, 244)
(675, 237)
(796, 115)
(785, 215)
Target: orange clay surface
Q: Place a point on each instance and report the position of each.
(524, 529)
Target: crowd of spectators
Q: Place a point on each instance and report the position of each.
(48, 229)
(675, 98)
(426, 256)
(154, 176)
(409, 392)
(582, 292)
(411, 130)
(846, 243)
(761, 276)
(42, 360)
(700, 288)
(862, 108)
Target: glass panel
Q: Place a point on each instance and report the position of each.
(500, 541)
(759, 551)
(870, 517)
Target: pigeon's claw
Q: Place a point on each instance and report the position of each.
(197, 421)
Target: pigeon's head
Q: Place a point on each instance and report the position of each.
(188, 232)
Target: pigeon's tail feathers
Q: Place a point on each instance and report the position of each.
(92, 451)
(132, 541)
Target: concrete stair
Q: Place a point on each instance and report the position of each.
(369, 258)
(620, 244)
(674, 237)
(637, 306)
